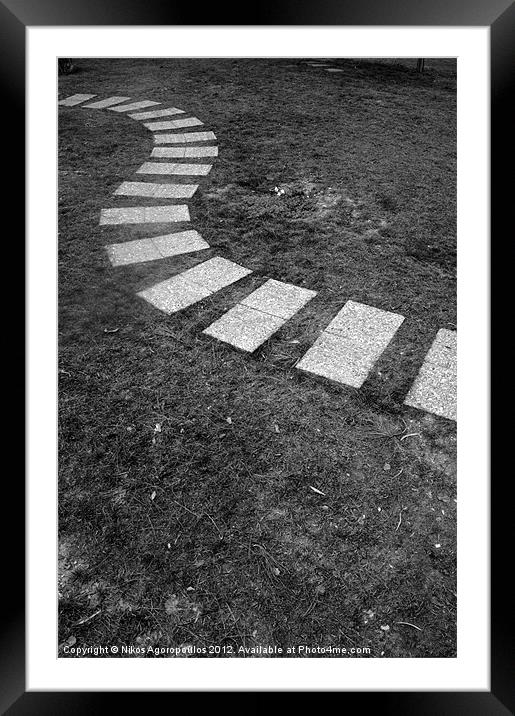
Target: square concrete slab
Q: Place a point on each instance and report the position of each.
(134, 105)
(184, 152)
(156, 191)
(184, 138)
(75, 99)
(182, 242)
(331, 356)
(361, 323)
(145, 214)
(244, 327)
(103, 103)
(174, 169)
(174, 124)
(174, 294)
(435, 387)
(278, 298)
(157, 113)
(133, 252)
(444, 349)
(216, 273)
(435, 390)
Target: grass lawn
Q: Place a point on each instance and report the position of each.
(186, 511)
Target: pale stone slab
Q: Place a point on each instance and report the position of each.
(279, 299)
(350, 346)
(193, 285)
(174, 294)
(435, 387)
(184, 152)
(134, 105)
(156, 191)
(216, 273)
(133, 252)
(333, 69)
(155, 114)
(184, 138)
(444, 349)
(156, 247)
(361, 324)
(145, 214)
(75, 99)
(332, 357)
(182, 242)
(175, 169)
(244, 327)
(103, 103)
(174, 124)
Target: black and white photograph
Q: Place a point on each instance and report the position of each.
(257, 361)
(259, 252)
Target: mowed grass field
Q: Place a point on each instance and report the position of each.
(186, 509)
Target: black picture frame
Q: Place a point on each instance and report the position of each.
(499, 16)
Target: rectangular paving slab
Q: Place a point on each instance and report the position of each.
(134, 105)
(245, 328)
(184, 138)
(184, 152)
(103, 103)
(176, 169)
(156, 113)
(258, 316)
(435, 387)
(216, 273)
(145, 214)
(156, 247)
(174, 294)
(75, 99)
(174, 124)
(156, 191)
(193, 285)
(279, 299)
(351, 344)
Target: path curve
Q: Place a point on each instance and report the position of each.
(346, 350)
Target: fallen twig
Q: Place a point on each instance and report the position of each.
(409, 624)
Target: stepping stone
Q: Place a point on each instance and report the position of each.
(435, 387)
(244, 328)
(183, 152)
(333, 69)
(157, 247)
(252, 321)
(75, 99)
(175, 169)
(350, 345)
(155, 114)
(145, 214)
(101, 104)
(156, 191)
(317, 64)
(279, 299)
(134, 105)
(173, 124)
(193, 285)
(216, 273)
(184, 138)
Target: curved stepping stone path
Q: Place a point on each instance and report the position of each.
(346, 350)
